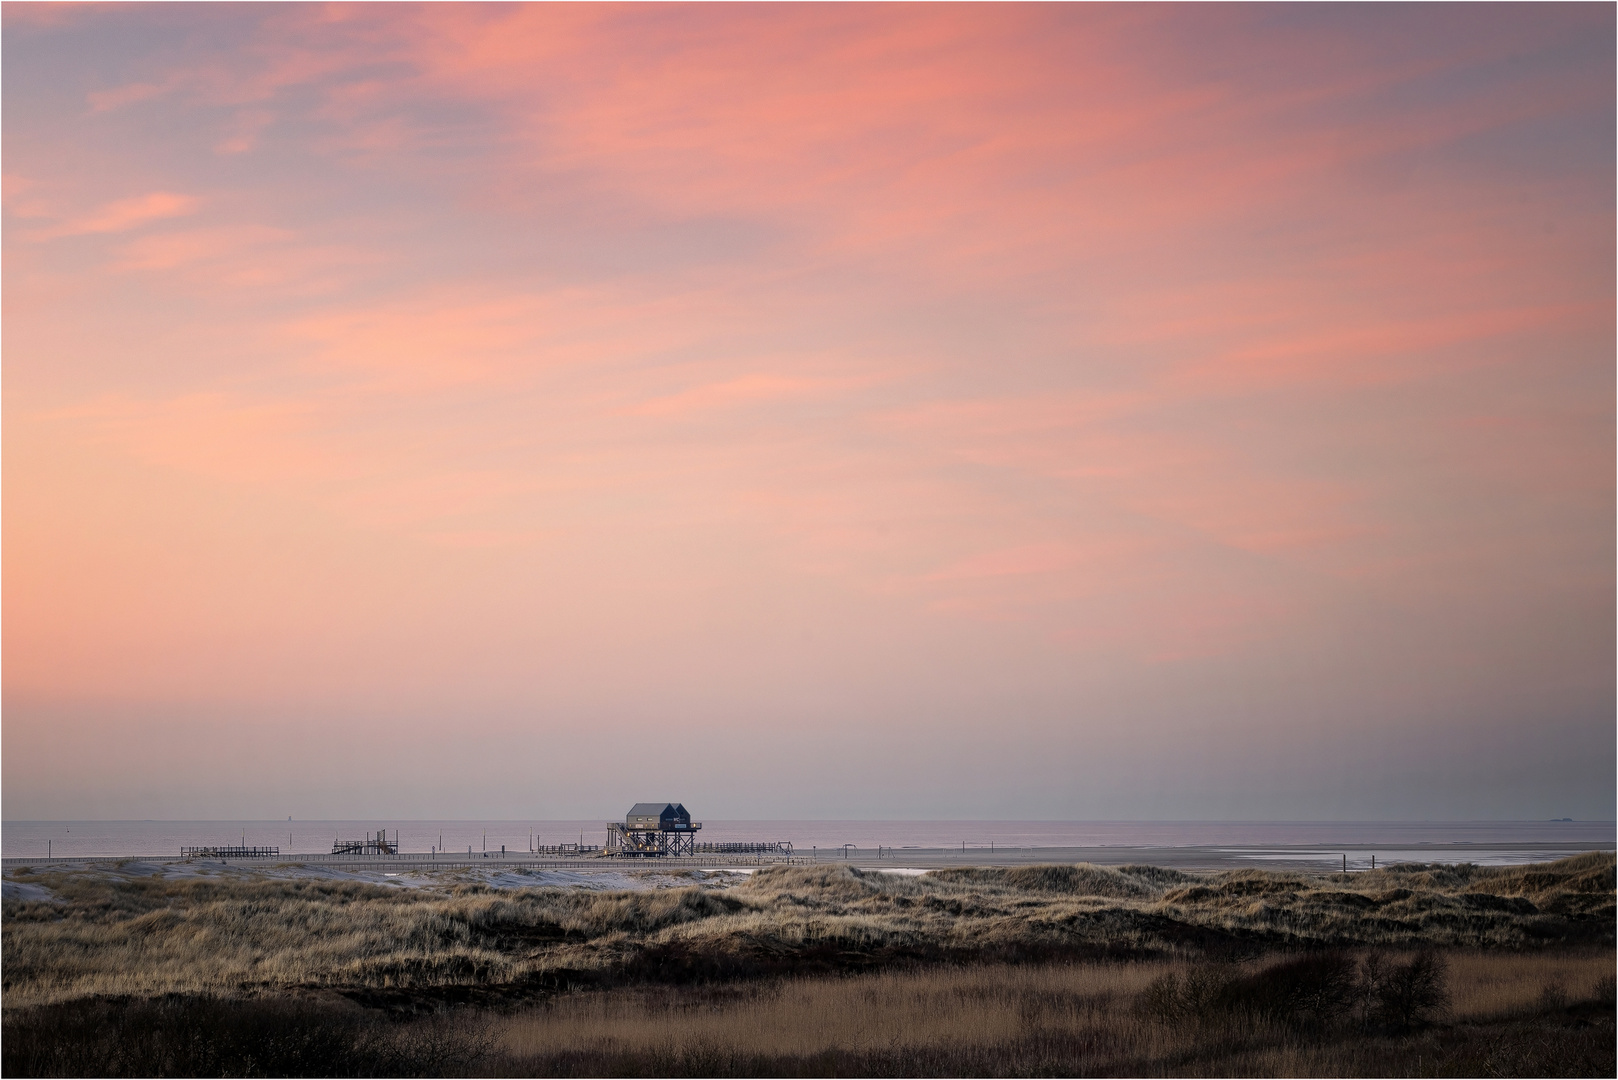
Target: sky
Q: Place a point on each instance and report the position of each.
(1026, 412)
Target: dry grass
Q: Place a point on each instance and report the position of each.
(819, 971)
(144, 936)
(994, 1020)
(1493, 985)
(1068, 1019)
(890, 1011)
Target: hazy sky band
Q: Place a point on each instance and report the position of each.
(809, 411)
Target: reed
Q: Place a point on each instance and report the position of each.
(1089, 1018)
(1062, 1019)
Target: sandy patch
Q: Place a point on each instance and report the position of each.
(615, 880)
(26, 890)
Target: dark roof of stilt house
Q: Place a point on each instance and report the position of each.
(657, 811)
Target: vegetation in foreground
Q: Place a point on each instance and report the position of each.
(1455, 1013)
(1413, 970)
(148, 935)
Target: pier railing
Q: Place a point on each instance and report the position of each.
(230, 852)
(771, 847)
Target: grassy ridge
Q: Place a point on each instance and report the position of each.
(144, 936)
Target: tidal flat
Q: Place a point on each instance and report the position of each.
(159, 969)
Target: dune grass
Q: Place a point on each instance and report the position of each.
(132, 935)
(1058, 970)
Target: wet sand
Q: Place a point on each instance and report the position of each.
(1353, 857)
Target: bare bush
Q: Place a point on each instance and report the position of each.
(1404, 994)
(1313, 988)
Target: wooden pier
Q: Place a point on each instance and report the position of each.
(232, 852)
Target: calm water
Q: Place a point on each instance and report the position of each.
(30, 838)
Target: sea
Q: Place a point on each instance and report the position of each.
(1445, 841)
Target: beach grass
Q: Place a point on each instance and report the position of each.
(150, 934)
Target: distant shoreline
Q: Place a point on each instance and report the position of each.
(936, 842)
(1313, 857)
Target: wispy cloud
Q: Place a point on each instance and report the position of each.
(122, 215)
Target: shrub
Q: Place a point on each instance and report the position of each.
(1315, 988)
(1197, 995)
(187, 1035)
(1403, 995)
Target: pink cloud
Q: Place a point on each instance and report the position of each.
(170, 250)
(1026, 559)
(245, 131)
(226, 437)
(121, 215)
(745, 389)
(129, 94)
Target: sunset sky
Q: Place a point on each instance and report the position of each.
(840, 411)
